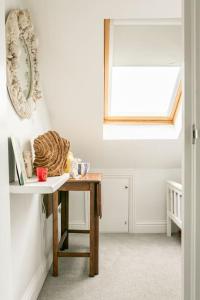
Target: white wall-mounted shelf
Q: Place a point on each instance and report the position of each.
(34, 187)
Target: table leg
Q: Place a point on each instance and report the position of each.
(55, 234)
(97, 195)
(65, 217)
(92, 231)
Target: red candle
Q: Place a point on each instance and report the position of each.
(41, 173)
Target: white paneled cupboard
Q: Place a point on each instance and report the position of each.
(115, 204)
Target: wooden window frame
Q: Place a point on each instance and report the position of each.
(160, 120)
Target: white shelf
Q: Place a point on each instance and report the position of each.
(34, 187)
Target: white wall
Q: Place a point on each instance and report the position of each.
(72, 49)
(28, 250)
(149, 196)
(5, 235)
(71, 34)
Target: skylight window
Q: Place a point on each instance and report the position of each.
(143, 91)
(142, 71)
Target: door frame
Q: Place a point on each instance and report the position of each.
(191, 240)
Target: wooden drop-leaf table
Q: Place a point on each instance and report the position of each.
(92, 183)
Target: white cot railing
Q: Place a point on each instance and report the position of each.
(174, 205)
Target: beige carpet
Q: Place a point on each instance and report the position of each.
(132, 267)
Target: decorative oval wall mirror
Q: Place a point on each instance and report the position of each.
(22, 63)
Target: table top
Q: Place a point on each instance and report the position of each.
(89, 177)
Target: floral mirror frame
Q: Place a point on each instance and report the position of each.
(19, 29)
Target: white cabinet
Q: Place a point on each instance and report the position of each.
(115, 204)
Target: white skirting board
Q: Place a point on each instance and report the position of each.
(33, 289)
(153, 227)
